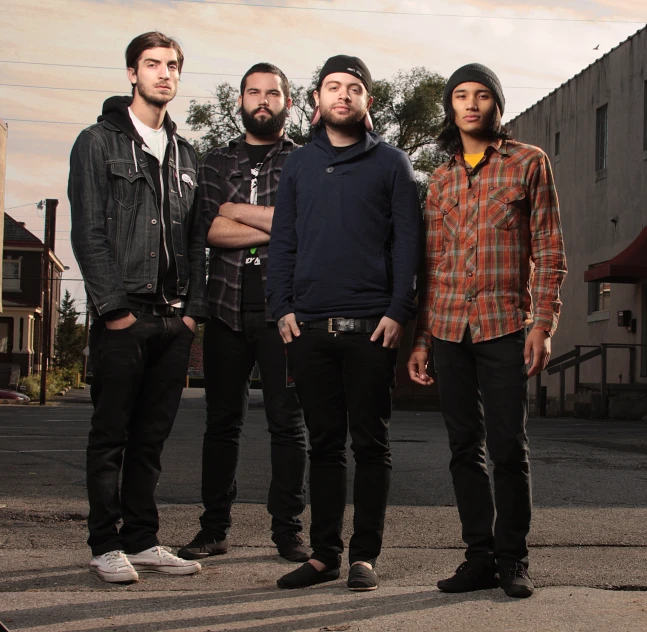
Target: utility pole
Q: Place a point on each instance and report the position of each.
(48, 243)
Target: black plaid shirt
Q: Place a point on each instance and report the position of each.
(225, 176)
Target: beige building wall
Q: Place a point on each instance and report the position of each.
(4, 131)
(604, 210)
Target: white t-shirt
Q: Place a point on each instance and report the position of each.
(155, 139)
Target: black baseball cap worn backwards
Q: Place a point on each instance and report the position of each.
(477, 73)
(350, 65)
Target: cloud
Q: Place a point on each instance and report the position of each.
(229, 39)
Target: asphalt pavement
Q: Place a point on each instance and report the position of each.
(588, 541)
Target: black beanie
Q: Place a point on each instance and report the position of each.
(478, 74)
(350, 65)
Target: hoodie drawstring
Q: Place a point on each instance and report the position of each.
(135, 157)
(177, 165)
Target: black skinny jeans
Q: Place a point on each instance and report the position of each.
(484, 399)
(138, 377)
(344, 384)
(229, 358)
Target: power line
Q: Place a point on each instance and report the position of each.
(14, 120)
(197, 96)
(19, 85)
(416, 13)
(184, 72)
(21, 206)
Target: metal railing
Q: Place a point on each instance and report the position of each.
(573, 359)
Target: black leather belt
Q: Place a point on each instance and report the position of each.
(156, 310)
(343, 325)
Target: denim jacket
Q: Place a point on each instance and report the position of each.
(116, 219)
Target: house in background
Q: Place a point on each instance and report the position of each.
(22, 297)
(594, 129)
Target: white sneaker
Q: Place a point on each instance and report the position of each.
(159, 559)
(113, 567)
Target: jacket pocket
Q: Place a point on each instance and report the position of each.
(448, 207)
(188, 185)
(505, 207)
(127, 183)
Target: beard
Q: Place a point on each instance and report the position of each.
(154, 98)
(264, 127)
(353, 120)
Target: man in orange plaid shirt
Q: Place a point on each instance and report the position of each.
(493, 236)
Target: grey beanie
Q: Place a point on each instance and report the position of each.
(478, 74)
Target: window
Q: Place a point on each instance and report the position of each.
(6, 335)
(599, 296)
(601, 137)
(556, 144)
(11, 275)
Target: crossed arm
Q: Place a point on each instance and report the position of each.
(241, 226)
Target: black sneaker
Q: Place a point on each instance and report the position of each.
(477, 573)
(361, 578)
(514, 579)
(292, 548)
(203, 545)
(307, 575)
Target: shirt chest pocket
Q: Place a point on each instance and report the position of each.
(235, 187)
(448, 207)
(127, 183)
(506, 207)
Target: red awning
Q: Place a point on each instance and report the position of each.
(629, 266)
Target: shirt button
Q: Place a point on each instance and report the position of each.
(469, 299)
(471, 247)
(330, 169)
(470, 274)
(153, 255)
(153, 221)
(149, 286)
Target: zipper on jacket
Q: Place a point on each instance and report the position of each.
(168, 262)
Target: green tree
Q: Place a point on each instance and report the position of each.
(70, 336)
(407, 112)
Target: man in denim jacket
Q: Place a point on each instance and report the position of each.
(141, 249)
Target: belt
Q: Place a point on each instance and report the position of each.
(156, 310)
(343, 325)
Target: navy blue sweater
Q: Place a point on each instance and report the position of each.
(346, 233)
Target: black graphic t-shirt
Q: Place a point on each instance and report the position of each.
(253, 292)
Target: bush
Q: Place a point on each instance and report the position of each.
(57, 379)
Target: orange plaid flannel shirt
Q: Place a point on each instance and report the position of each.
(493, 234)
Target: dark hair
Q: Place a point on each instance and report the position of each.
(449, 139)
(269, 69)
(153, 39)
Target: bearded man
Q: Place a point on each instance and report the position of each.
(341, 281)
(238, 183)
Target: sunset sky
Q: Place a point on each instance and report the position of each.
(533, 47)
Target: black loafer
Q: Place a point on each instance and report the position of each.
(203, 545)
(361, 578)
(307, 575)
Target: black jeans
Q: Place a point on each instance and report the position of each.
(344, 384)
(229, 358)
(138, 377)
(484, 399)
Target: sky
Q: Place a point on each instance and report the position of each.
(61, 59)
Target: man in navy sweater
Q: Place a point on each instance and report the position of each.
(341, 283)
